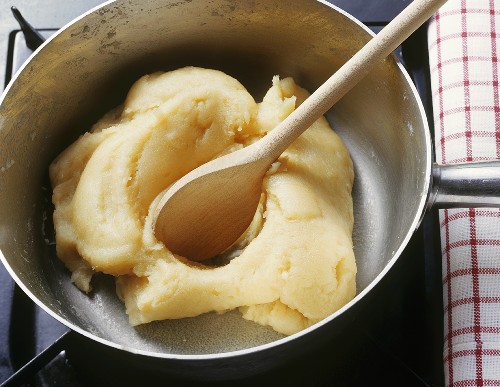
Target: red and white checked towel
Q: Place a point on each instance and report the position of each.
(464, 52)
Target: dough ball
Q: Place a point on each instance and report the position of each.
(293, 266)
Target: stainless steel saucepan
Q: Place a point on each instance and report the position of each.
(86, 69)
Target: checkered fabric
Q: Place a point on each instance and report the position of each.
(464, 47)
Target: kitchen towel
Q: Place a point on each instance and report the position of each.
(464, 49)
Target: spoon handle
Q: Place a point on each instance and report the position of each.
(377, 49)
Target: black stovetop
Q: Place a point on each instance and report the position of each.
(396, 341)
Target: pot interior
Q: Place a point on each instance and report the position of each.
(87, 68)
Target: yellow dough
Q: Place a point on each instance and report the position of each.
(294, 265)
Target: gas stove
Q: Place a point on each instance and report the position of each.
(396, 341)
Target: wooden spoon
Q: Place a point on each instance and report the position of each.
(206, 211)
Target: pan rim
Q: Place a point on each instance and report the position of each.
(284, 340)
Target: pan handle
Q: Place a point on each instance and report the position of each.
(465, 185)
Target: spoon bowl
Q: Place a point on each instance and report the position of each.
(217, 186)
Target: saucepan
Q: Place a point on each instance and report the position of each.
(86, 68)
